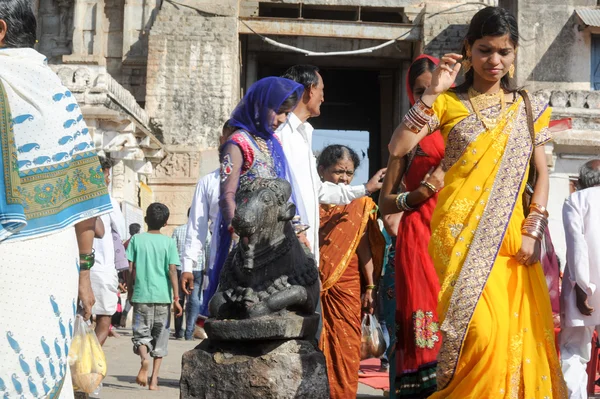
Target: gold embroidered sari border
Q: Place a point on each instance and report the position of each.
(341, 268)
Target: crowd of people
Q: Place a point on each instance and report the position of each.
(450, 259)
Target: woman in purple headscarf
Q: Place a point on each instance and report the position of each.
(252, 151)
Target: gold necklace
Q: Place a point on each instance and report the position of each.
(480, 101)
(262, 145)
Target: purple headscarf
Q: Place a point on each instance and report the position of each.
(254, 114)
(256, 111)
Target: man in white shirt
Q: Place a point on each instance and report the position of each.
(296, 139)
(103, 275)
(580, 296)
(203, 215)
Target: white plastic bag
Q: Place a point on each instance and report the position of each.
(372, 343)
(86, 358)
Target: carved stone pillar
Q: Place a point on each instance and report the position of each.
(88, 33)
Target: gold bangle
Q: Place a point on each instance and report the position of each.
(430, 186)
(370, 287)
(539, 209)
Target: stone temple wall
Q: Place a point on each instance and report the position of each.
(192, 87)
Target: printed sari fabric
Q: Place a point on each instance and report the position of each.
(417, 328)
(341, 230)
(51, 177)
(495, 314)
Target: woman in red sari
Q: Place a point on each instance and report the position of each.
(351, 247)
(411, 186)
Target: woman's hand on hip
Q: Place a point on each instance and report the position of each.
(443, 76)
(435, 177)
(530, 251)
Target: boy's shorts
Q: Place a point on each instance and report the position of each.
(150, 327)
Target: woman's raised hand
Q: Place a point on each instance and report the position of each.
(445, 74)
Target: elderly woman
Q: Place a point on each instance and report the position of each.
(352, 249)
(50, 194)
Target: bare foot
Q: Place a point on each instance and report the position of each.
(153, 384)
(114, 334)
(142, 377)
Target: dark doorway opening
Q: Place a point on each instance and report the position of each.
(352, 103)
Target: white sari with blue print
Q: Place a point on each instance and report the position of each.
(50, 179)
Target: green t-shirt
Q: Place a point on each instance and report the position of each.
(152, 255)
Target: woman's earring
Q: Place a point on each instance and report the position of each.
(511, 71)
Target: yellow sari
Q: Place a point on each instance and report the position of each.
(495, 314)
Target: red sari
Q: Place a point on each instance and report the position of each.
(417, 330)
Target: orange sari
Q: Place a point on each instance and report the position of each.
(341, 230)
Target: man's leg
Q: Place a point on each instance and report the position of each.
(575, 353)
(179, 320)
(102, 327)
(193, 306)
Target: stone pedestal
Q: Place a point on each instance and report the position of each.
(254, 369)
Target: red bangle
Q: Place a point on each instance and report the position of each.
(230, 229)
(175, 299)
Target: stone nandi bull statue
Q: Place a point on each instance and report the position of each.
(269, 271)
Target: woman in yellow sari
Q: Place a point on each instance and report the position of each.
(351, 247)
(494, 307)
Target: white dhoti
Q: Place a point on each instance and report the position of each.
(575, 353)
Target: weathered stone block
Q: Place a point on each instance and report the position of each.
(267, 370)
(285, 326)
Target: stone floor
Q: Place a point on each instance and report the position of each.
(123, 366)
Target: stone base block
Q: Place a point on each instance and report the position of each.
(288, 326)
(256, 369)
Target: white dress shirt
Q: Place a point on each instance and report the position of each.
(581, 217)
(205, 208)
(309, 191)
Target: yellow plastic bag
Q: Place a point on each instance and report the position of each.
(372, 343)
(86, 358)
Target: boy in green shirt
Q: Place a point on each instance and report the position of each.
(153, 259)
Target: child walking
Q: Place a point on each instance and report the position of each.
(153, 258)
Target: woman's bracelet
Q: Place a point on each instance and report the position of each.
(430, 186)
(534, 226)
(539, 209)
(86, 261)
(370, 287)
(418, 116)
(401, 202)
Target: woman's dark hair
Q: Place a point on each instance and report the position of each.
(418, 68)
(334, 153)
(105, 163)
(306, 75)
(157, 215)
(289, 103)
(490, 21)
(20, 23)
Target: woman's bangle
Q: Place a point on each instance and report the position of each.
(401, 202)
(418, 116)
(175, 299)
(430, 186)
(370, 287)
(534, 226)
(367, 192)
(86, 261)
(539, 209)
